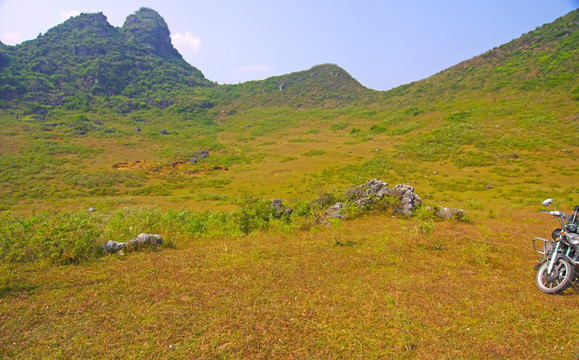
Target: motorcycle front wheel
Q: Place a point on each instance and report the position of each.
(558, 280)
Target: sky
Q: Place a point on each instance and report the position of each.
(381, 43)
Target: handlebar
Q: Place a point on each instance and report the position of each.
(556, 213)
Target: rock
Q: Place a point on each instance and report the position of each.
(91, 209)
(447, 213)
(278, 209)
(334, 212)
(408, 199)
(203, 154)
(369, 193)
(163, 132)
(113, 246)
(138, 129)
(81, 132)
(97, 122)
(489, 187)
(143, 239)
(194, 161)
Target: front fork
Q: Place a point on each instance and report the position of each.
(553, 258)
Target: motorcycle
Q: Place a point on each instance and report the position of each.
(559, 266)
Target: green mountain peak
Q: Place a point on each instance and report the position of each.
(86, 56)
(146, 26)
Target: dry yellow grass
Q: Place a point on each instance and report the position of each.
(366, 288)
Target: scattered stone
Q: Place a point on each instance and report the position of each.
(97, 122)
(138, 129)
(408, 199)
(91, 209)
(201, 154)
(335, 211)
(369, 193)
(376, 190)
(163, 132)
(278, 209)
(489, 187)
(81, 132)
(447, 213)
(564, 150)
(113, 246)
(435, 173)
(142, 239)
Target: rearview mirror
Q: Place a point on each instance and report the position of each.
(547, 202)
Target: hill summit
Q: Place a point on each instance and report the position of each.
(147, 27)
(87, 55)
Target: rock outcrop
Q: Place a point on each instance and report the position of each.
(405, 201)
(140, 240)
(335, 212)
(278, 209)
(445, 213)
(409, 200)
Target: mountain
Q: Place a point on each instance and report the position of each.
(87, 99)
(86, 56)
(321, 84)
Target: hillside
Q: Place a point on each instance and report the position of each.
(478, 125)
(107, 133)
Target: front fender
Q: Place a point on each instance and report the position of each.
(559, 256)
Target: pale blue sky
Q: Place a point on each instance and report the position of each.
(383, 44)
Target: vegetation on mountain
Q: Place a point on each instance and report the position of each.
(80, 63)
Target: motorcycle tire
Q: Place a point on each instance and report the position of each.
(561, 276)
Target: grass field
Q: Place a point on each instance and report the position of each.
(373, 287)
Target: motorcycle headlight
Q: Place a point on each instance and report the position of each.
(573, 239)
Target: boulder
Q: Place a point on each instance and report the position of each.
(142, 239)
(408, 199)
(278, 209)
(113, 246)
(203, 154)
(367, 194)
(448, 213)
(335, 211)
